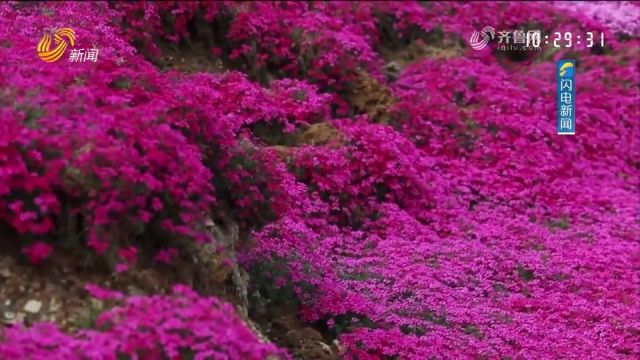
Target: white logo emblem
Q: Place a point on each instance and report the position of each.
(488, 33)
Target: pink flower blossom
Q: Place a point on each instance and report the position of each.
(166, 255)
(128, 254)
(37, 252)
(122, 267)
(101, 293)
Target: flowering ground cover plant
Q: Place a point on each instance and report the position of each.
(457, 224)
(180, 326)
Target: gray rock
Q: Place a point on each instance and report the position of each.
(33, 306)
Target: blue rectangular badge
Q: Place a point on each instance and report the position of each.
(566, 97)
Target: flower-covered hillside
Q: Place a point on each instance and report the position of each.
(402, 193)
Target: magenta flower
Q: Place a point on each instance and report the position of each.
(101, 293)
(128, 254)
(37, 252)
(166, 255)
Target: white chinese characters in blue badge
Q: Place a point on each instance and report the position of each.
(566, 97)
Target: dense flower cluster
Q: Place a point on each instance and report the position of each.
(620, 16)
(182, 325)
(352, 177)
(461, 227)
(90, 140)
(120, 143)
(489, 233)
